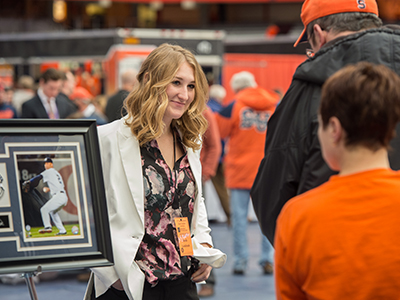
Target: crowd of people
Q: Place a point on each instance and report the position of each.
(317, 164)
(55, 96)
(58, 94)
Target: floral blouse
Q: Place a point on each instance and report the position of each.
(168, 194)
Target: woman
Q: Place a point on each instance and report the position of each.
(152, 175)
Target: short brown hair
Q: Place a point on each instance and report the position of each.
(366, 100)
(51, 74)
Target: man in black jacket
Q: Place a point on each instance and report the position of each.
(115, 104)
(68, 85)
(340, 32)
(47, 104)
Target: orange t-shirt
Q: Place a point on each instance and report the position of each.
(341, 240)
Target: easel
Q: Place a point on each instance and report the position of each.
(30, 283)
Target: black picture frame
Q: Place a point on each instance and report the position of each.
(74, 149)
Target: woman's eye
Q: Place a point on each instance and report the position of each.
(176, 82)
(191, 86)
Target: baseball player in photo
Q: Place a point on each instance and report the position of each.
(1, 186)
(58, 196)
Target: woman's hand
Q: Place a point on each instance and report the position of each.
(202, 273)
(118, 285)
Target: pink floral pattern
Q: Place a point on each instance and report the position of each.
(168, 194)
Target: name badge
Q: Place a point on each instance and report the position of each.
(184, 238)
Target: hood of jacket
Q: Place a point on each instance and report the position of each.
(379, 46)
(257, 98)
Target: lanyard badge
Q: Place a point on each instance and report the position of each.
(184, 237)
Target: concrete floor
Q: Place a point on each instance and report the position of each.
(253, 285)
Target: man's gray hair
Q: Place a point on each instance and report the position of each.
(217, 92)
(242, 80)
(129, 77)
(350, 21)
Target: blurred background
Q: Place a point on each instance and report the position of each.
(96, 40)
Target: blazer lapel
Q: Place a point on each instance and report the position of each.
(132, 164)
(195, 165)
(39, 109)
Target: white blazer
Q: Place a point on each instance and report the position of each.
(123, 180)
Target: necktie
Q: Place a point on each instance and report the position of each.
(50, 112)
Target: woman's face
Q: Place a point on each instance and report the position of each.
(180, 93)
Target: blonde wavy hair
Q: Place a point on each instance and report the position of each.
(147, 102)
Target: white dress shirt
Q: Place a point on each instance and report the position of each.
(49, 104)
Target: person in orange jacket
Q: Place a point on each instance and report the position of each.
(243, 124)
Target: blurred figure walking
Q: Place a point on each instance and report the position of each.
(114, 108)
(24, 91)
(217, 96)
(209, 157)
(243, 124)
(6, 110)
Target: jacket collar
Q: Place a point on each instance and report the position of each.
(131, 160)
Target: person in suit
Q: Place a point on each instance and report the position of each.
(47, 104)
(152, 173)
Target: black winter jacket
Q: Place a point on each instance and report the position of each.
(292, 162)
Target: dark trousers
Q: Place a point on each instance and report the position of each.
(219, 184)
(182, 288)
(111, 294)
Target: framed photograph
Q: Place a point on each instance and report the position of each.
(53, 212)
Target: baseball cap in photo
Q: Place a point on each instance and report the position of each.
(315, 9)
(48, 160)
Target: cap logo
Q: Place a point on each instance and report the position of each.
(361, 4)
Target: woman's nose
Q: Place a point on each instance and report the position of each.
(183, 93)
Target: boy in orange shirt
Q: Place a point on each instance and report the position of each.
(341, 239)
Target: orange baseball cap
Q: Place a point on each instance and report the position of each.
(315, 9)
(80, 93)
